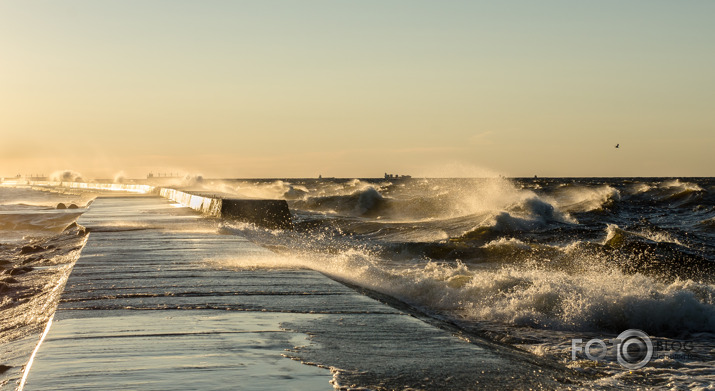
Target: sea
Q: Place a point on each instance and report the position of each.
(563, 268)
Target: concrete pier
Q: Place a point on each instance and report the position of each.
(272, 214)
(152, 304)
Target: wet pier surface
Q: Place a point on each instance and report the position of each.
(147, 308)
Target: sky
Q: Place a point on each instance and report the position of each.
(358, 88)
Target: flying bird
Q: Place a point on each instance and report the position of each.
(617, 145)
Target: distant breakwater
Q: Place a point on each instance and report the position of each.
(268, 213)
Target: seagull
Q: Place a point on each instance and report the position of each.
(617, 145)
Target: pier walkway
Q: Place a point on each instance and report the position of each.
(148, 307)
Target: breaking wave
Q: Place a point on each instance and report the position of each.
(585, 199)
(66, 176)
(594, 300)
(362, 202)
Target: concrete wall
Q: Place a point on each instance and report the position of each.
(273, 214)
(207, 205)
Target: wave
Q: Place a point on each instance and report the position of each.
(678, 187)
(529, 215)
(456, 220)
(590, 301)
(584, 286)
(25, 212)
(507, 207)
(363, 202)
(677, 193)
(26, 205)
(708, 224)
(518, 296)
(295, 192)
(368, 201)
(405, 200)
(119, 177)
(617, 237)
(577, 198)
(276, 189)
(271, 190)
(638, 188)
(644, 253)
(510, 243)
(38, 220)
(66, 176)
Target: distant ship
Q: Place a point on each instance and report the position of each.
(397, 176)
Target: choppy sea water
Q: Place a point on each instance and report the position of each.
(534, 263)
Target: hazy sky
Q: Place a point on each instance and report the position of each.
(356, 88)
